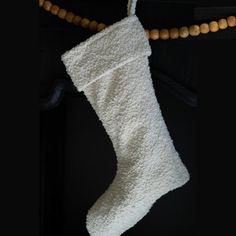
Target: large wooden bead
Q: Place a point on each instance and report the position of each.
(101, 27)
(76, 20)
(164, 34)
(174, 33)
(213, 26)
(154, 34)
(184, 32)
(223, 24)
(41, 3)
(55, 9)
(204, 28)
(194, 30)
(62, 13)
(70, 16)
(231, 21)
(84, 22)
(93, 25)
(47, 5)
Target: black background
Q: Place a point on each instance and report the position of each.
(67, 188)
(22, 153)
(77, 159)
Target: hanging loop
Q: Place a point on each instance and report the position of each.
(131, 7)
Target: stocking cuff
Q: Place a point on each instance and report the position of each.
(106, 51)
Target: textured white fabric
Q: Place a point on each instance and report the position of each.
(112, 70)
(99, 55)
(131, 7)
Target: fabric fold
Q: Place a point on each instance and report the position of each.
(106, 51)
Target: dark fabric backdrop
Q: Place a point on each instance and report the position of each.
(77, 159)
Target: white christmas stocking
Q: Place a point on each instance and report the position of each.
(112, 70)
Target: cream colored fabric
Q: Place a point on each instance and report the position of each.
(112, 70)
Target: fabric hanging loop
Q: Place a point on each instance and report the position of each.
(131, 7)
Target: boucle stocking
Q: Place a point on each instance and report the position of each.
(112, 70)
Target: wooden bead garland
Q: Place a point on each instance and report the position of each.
(214, 26)
(93, 25)
(231, 21)
(164, 34)
(55, 9)
(174, 33)
(47, 5)
(76, 20)
(62, 13)
(183, 32)
(223, 24)
(194, 30)
(84, 23)
(204, 28)
(154, 34)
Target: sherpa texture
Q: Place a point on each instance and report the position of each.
(112, 70)
(131, 7)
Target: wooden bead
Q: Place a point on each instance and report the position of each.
(174, 33)
(70, 16)
(41, 3)
(93, 25)
(76, 20)
(101, 27)
(194, 30)
(223, 24)
(164, 34)
(231, 21)
(213, 26)
(62, 13)
(154, 34)
(84, 23)
(184, 32)
(147, 33)
(47, 5)
(55, 9)
(204, 28)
